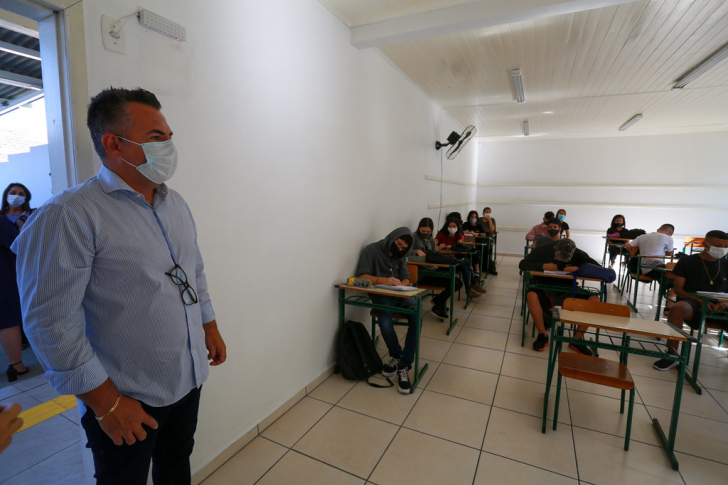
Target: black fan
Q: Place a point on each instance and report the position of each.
(457, 141)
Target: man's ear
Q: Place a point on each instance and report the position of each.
(111, 144)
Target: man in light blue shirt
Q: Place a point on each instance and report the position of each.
(115, 300)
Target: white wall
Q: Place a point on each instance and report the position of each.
(31, 169)
(296, 149)
(651, 180)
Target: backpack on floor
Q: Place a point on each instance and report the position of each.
(356, 357)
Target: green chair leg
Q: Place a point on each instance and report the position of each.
(629, 419)
(621, 403)
(556, 405)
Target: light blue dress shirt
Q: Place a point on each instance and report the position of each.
(96, 301)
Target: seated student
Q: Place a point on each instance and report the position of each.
(561, 216)
(617, 229)
(560, 255)
(473, 227)
(448, 236)
(488, 223)
(703, 271)
(456, 216)
(654, 244)
(384, 262)
(540, 230)
(422, 245)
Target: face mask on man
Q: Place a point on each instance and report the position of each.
(452, 230)
(16, 200)
(161, 160)
(553, 232)
(487, 215)
(396, 252)
(424, 236)
(717, 253)
(474, 220)
(561, 217)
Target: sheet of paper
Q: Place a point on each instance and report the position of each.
(713, 294)
(396, 288)
(559, 273)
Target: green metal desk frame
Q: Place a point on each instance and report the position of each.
(529, 285)
(626, 284)
(692, 377)
(451, 268)
(365, 302)
(624, 346)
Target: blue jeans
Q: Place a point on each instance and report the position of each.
(386, 325)
(169, 447)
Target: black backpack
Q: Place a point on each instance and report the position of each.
(356, 357)
(634, 233)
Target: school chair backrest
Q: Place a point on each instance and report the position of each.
(694, 243)
(576, 304)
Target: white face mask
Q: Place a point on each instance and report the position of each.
(16, 200)
(161, 160)
(717, 253)
(474, 221)
(452, 230)
(485, 216)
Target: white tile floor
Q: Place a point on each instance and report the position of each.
(475, 420)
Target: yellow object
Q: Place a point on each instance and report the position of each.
(47, 410)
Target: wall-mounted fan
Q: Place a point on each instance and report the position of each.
(457, 141)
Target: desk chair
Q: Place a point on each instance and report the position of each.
(594, 369)
(399, 317)
(694, 243)
(635, 276)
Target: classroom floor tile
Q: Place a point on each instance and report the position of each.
(473, 357)
(527, 397)
(247, 466)
(496, 469)
(302, 470)
(464, 383)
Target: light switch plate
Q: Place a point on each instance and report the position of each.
(110, 43)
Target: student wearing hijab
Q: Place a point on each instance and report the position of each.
(422, 245)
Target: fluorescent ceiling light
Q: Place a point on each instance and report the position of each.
(518, 85)
(630, 122)
(525, 128)
(702, 68)
(548, 112)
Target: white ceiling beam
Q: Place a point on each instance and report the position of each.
(469, 16)
(26, 82)
(21, 51)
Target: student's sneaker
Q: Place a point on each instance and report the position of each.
(541, 342)
(493, 272)
(390, 368)
(581, 349)
(403, 382)
(478, 288)
(665, 364)
(474, 294)
(440, 312)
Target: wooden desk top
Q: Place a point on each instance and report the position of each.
(626, 239)
(425, 263)
(637, 326)
(381, 291)
(560, 276)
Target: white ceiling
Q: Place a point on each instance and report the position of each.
(594, 68)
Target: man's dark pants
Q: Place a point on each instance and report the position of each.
(169, 446)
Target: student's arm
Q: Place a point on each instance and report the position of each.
(679, 288)
(568, 234)
(491, 225)
(381, 280)
(539, 259)
(531, 234)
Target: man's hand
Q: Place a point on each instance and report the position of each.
(421, 253)
(124, 425)
(570, 269)
(550, 267)
(216, 349)
(391, 281)
(9, 423)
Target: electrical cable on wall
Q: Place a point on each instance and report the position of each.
(441, 174)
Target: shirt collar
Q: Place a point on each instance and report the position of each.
(111, 182)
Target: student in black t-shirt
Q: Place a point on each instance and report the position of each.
(616, 229)
(704, 271)
(561, 216)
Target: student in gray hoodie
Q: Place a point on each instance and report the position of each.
(424, 244)
(385, 263)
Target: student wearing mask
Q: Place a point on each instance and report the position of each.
(488, 223)
(561, 216)
(704, 271)
(556, 255)
(540, 230)
(422, 245)
(16, 204)
(448, 236)
(619, 230)
(385, 263)
(473, 227)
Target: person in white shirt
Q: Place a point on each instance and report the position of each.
(654, 244)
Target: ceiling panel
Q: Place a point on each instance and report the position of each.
(593, 68)
(362, 12)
